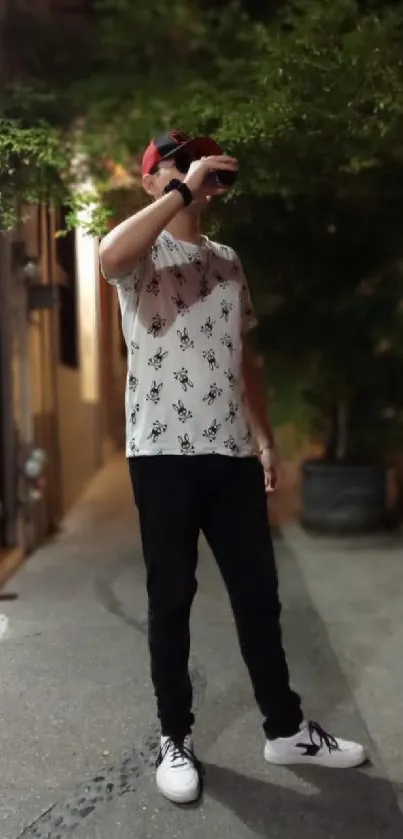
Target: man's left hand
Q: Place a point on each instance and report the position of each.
(271, 464)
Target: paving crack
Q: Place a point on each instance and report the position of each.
(63, 818)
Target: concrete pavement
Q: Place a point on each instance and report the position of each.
(77, 719)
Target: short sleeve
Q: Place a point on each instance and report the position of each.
(132, 280)
(248, 317)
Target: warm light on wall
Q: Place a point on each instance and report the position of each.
(88, 303)
(120, 177)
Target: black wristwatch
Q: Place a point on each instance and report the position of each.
(182, 188)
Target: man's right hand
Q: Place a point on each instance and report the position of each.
(200, 169)
(125, 245)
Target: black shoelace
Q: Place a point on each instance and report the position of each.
(181, 755)
(317, 733)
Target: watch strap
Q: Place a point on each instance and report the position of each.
(182, 188)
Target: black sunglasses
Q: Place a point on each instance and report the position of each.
(219, 177)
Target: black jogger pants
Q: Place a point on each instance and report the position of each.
(224, 497)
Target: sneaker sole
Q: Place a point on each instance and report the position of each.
(338, 761)
(190, 797)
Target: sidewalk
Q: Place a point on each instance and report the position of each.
(78, 727)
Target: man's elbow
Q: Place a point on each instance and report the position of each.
(110, 264)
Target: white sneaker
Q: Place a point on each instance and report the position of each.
(313, 745)
(178, 771)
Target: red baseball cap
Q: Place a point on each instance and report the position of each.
(165, 146)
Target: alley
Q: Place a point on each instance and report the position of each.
(77, 719)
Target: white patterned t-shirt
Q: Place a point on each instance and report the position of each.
(185, 309)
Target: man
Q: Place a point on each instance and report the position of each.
(197, 439)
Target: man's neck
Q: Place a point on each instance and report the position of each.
(185, 227)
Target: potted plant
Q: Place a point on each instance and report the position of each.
(335, 311)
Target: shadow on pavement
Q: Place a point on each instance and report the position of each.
(315, 669)
(341, 805)
(347, 805)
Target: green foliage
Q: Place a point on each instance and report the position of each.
(327, 277)
(321, 98)
(29, 158)
(310, 100)
(40, 62)
(314, 96)
(35, 166)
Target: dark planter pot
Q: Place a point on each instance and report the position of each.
(339, 498)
